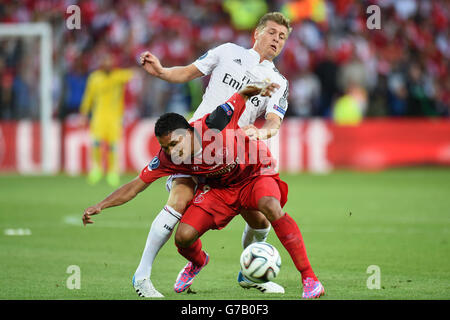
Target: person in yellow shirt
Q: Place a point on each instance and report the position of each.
(349, 109)
(104, 100)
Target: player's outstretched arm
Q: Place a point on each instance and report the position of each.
(122, 195)
(179, 74)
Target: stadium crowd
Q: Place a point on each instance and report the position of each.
(332, 60)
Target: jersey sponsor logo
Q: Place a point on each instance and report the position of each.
(280, 110)
(215, 166)
(255, 101)
(238, 61)
(235, 84)
(153, 164)
(226, 169)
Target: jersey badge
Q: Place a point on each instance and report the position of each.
(283, 103)
(153, 164)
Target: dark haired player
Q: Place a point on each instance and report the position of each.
(228, 66)
(232, 185)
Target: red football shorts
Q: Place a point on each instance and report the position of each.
(214, 208)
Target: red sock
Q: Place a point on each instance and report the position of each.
(194, 253)
(291, 238)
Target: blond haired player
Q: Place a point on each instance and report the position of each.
(231, 67)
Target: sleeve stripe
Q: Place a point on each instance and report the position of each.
(228, 108)
(286, 91)
(280, 110)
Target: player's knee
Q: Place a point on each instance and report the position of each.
(181, 194)
(256, 219)
(270, 207)
(185, 236)
(179, 204)
(262, 223)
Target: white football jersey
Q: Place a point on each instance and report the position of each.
(231, 67)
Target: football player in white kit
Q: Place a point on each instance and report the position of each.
(230, 67)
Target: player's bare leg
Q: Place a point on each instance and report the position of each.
(181, 192)
(257, 228)
(289, 234)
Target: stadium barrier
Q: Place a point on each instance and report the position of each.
(313, 145)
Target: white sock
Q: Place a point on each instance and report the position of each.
(160, 232)
(251, 235)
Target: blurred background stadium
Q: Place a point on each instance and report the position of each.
(368, 100)
(339, 71)
(401, 68)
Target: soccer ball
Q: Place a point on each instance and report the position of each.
(260, 262)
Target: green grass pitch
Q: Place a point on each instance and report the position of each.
(398, 220)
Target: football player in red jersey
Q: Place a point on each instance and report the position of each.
(229, 185)
(230, 67)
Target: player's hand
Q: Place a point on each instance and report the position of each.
(251, 131)
(262, 88)
(144, 57)
(90, 212)
(151, 64)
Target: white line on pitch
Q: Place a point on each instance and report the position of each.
(17, 232)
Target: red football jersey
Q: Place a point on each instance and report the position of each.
(227, 156)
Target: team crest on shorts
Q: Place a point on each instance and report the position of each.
(199, 198)
(153, 164)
